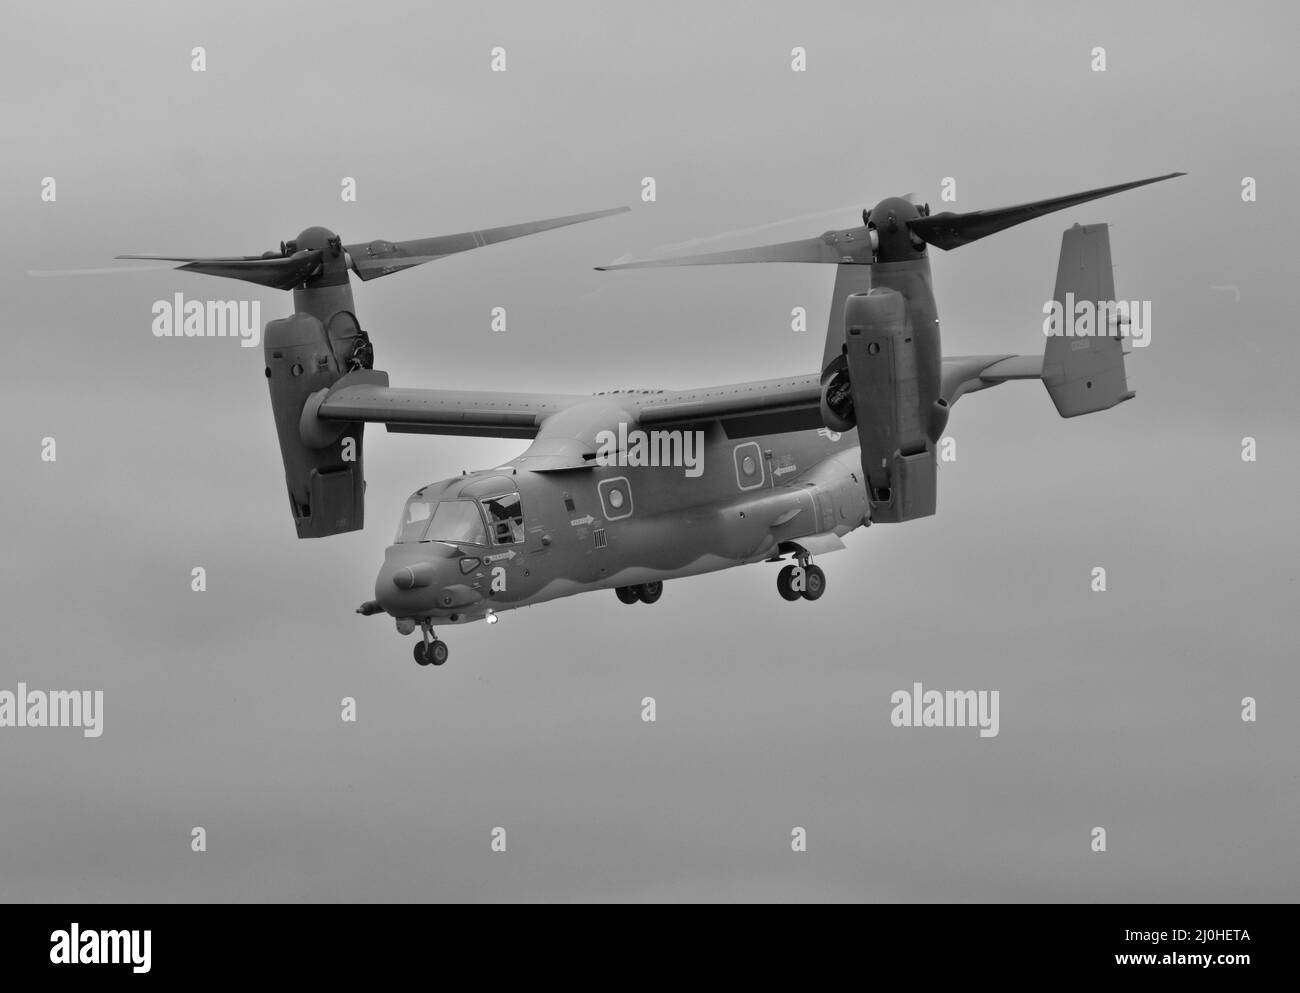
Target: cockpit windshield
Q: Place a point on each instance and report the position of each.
(454, 521)
(415, 518)
(458, 522)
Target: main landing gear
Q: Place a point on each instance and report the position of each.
(645, 593)
(802, 580)
(429, 650)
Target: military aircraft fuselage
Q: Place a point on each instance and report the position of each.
(512, 536)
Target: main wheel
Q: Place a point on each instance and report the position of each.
(421, 653)
(627, 594)
(814, 581)
(650, 592)
(785, 584)
(438, 652)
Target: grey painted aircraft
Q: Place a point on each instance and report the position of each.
(626, 489)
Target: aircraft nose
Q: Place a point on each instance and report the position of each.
(406, 589)
(422, 582)
(411, 577)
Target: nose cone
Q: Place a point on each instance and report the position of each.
(422, 580)
(407, 582)
(413, 577)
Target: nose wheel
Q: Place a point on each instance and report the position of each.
(803, 581)
(429, 650)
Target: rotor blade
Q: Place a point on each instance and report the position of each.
(726, 236)
(114, 271)
(950, 230)
(852, 245)
(278, 272)
(194, 258)
(379, 258)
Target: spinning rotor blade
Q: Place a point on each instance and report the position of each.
(949, 230)
(100, 271)
(699, 245)
(279, 272)
(306, 257)
(852, 245)
(379, 258)
(860, 245)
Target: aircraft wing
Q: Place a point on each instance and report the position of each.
(366, 396)
(761, 407)
(745, 409)
(793, 403)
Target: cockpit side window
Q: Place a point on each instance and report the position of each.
(505, 516)
(415, 518)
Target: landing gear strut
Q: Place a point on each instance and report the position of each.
(803, 580)
(645, 593)
(429, 650)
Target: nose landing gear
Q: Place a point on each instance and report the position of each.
(429, 650)
(804, 580)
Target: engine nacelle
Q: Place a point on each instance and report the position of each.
(323, 473)
(838, 412)
(894, 432)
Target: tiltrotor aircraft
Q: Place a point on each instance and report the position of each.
(626, 489)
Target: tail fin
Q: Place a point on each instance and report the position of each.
(1085, 373)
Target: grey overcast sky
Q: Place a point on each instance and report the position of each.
(222, 709)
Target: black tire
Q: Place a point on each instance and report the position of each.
(650, 592)
(438, 652)
(814, 583)
(627, 594)
(785, 584)
(421, 653)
